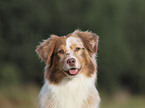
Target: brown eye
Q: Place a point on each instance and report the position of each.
(77, 48)
(61, 51)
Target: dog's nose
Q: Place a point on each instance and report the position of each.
(71, 61)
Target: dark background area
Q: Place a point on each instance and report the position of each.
(120, 25)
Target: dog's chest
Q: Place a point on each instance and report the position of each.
(72, 94)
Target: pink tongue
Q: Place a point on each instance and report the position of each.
(75, 71)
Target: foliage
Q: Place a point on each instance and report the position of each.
(119, 23)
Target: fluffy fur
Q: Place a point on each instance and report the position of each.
(70, 71)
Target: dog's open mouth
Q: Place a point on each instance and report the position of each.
(72, 71)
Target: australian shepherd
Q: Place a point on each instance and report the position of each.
(70, 72)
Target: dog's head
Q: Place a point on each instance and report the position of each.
(69, 56)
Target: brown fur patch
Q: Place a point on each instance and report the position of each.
(88, 102)
(47, 51)
(92, 98)
(54, 72)
(88, 68)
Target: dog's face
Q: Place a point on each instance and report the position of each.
(69, 56)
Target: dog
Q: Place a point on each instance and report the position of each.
(70, 71)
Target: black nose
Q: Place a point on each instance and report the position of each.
(71, 61)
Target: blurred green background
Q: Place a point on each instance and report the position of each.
(120, 25)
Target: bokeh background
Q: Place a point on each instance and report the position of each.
(120, 25)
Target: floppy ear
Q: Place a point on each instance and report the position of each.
(45, 50)
(89, 39)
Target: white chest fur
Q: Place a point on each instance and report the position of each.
(68, 94)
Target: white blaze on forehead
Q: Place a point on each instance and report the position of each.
(73, 40)
(70, 41)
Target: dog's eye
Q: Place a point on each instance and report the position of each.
(61, 51)
(77, 48)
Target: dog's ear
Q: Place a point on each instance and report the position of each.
(89, 39)
(45, 49)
